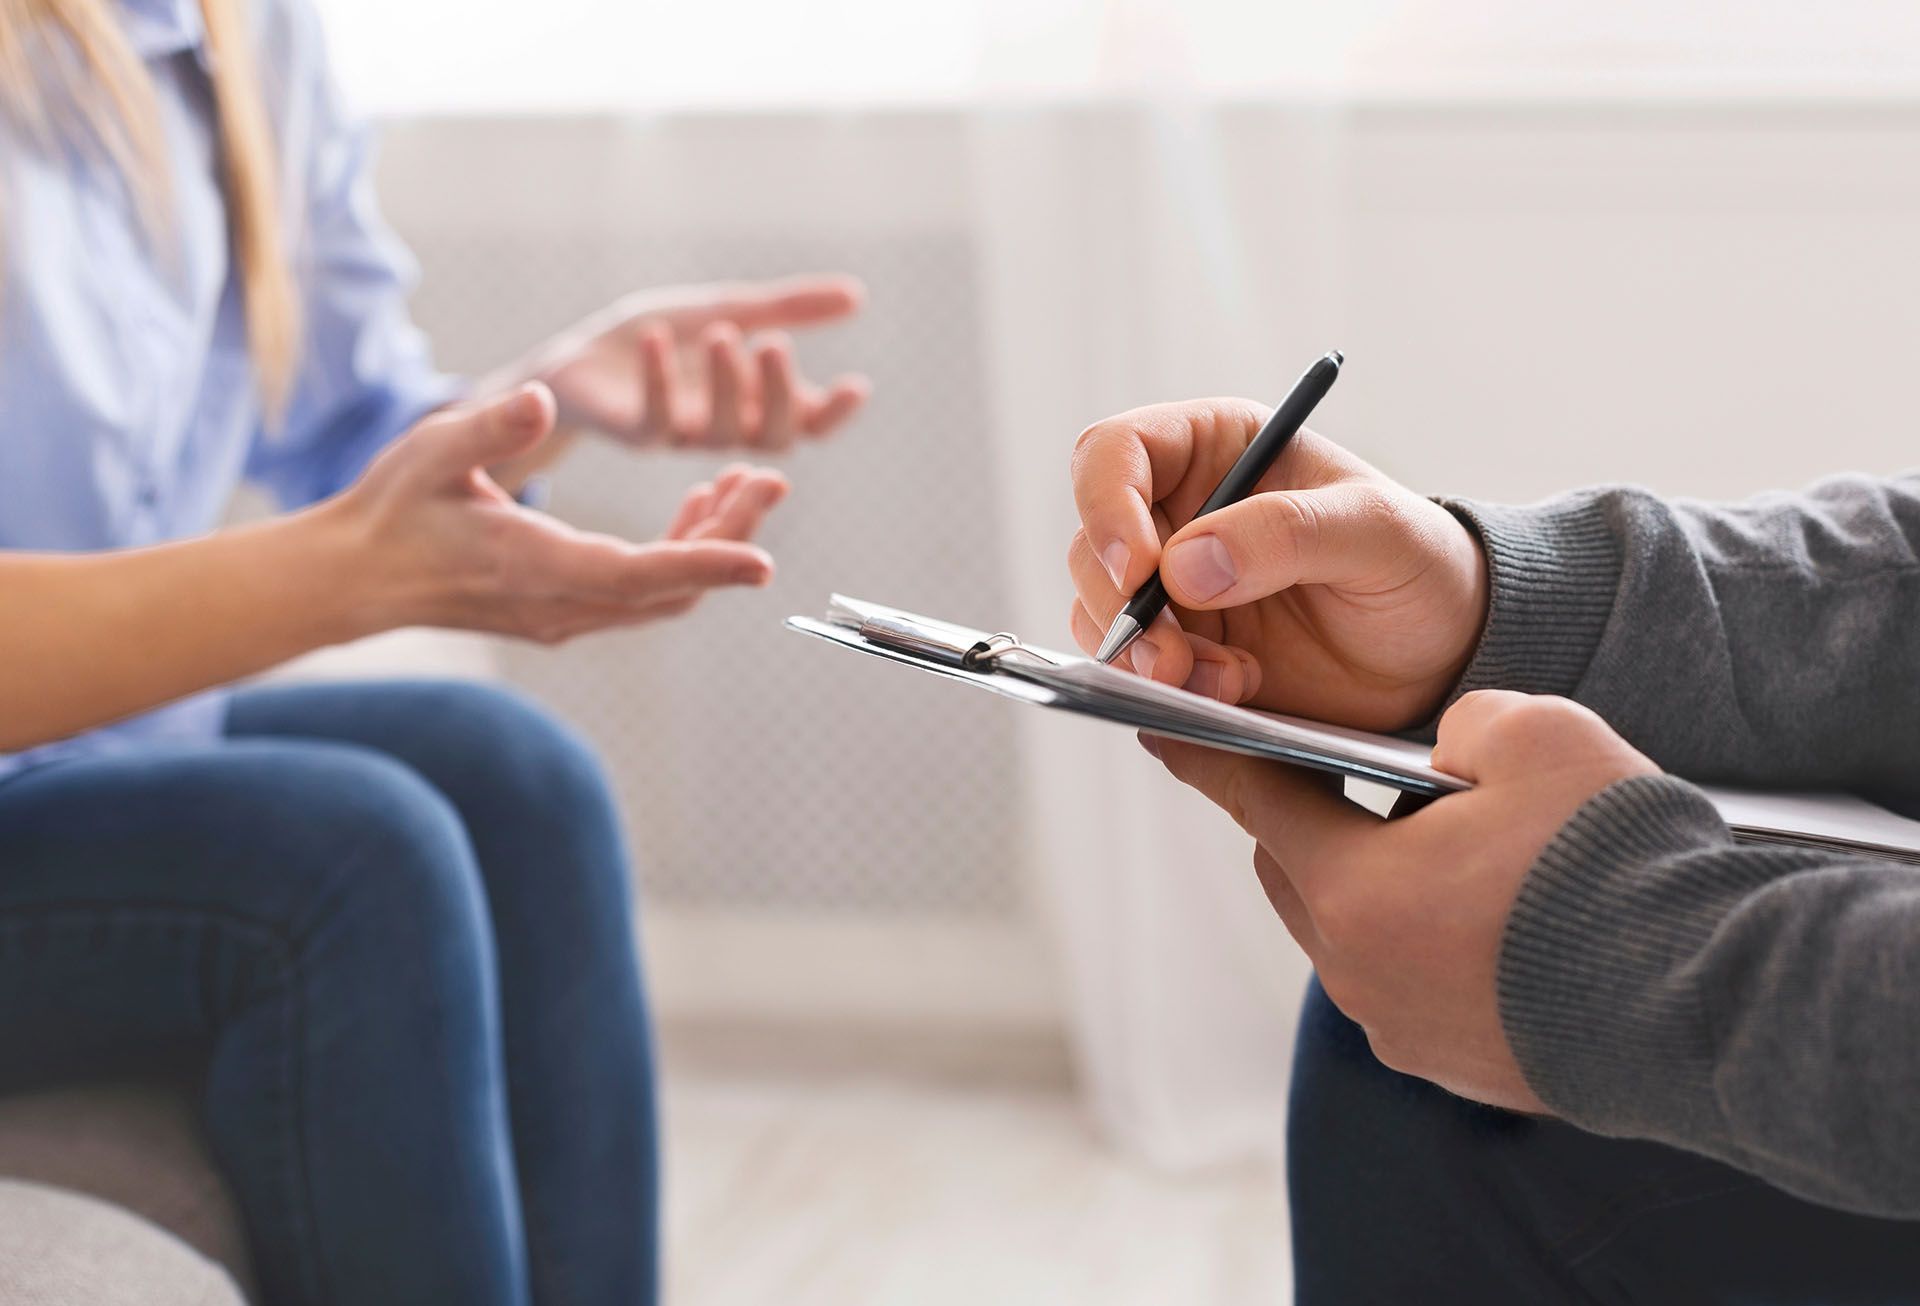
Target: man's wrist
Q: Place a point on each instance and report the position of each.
(1595, 995)
(1553, 570)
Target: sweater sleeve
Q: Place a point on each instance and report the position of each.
(1765, 643)
(1755, 1004)
(1656, 980)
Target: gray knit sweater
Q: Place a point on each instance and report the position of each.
(1761, 1006)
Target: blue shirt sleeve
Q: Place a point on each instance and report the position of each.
(366, 372)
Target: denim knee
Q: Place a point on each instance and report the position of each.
(490, 743)
(536, 802)
(394, 879)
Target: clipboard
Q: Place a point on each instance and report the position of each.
(1002, 664)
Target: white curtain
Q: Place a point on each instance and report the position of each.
(1116, 256)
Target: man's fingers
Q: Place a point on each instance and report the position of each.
(1164, 651)
(1161, 653)
(1114, 485)
(1458, 740)
(1287, 903)
(773, 357)
(1228, 674)
(1298, 815)
(458, 440)
(1493, 734)
(1125, 464)
(1356, 534)
(1086, 631)
(1091, 580)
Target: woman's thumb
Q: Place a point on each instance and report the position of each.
(493, 430)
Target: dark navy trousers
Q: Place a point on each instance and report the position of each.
(1404, 1194)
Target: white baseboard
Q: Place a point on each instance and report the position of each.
(874, 971)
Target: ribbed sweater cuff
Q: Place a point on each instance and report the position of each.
(1552, 569)
(1593, 984)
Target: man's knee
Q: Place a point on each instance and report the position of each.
(1345, 1103)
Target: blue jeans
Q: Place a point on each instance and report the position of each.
(389, 924)
(1403, 1193)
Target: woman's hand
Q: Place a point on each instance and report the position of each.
(442, 544)
(425, 537)
(1332, 592)
(1403, 919)
(702, 367)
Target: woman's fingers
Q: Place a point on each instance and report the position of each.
(659, 418)
(773, 360)
(750, 393)
(615, 618)
(650, 570)
(696, 505)
(739, 514)
(457, 441)
(555, 621)
(730, 388)
(789, 302)
(555, 561)
(823, 412)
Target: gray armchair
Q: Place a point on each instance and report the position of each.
(107, 1196)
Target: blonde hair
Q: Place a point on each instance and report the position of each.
(66, 66)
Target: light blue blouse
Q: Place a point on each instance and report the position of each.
(127, 410)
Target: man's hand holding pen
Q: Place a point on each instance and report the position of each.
(1332, 592)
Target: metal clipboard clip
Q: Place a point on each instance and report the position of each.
(994, 647)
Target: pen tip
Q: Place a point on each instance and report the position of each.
(1337, 357)
(1120, 634)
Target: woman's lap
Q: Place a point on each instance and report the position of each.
(546, 837)
(329, 912)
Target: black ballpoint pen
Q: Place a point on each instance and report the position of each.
(1236, 485)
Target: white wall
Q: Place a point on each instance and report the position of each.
(1710, 298)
